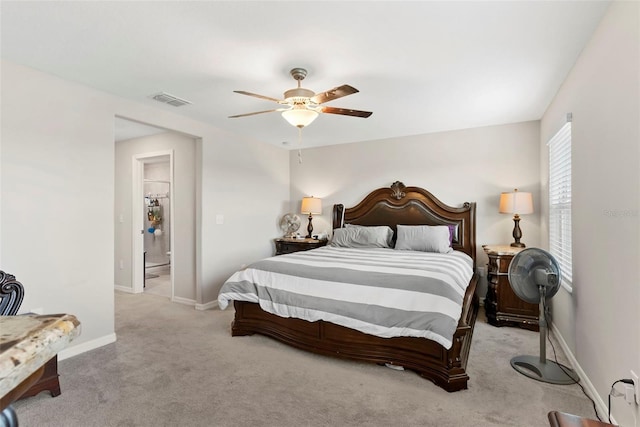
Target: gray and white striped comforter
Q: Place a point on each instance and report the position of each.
(383, 292)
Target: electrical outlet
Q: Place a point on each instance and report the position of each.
(636, 386)
(629, 393)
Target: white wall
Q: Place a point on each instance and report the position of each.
(57, 175)
(184, 206)
(473, 165)
(249, 185)
(600, 320)
(57, 198)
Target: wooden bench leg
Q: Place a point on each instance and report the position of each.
(48, 382)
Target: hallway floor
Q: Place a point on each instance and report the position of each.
(158, 281)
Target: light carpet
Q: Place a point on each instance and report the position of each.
(175, 366)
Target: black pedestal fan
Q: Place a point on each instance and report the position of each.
(534, 276)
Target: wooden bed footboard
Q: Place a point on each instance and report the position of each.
(446, 368)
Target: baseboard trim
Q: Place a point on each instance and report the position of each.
(179, 300)
(123, 289)
(86, 346)
(185, 301)
(601, 406)
(208, 306)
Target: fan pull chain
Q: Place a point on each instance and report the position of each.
(299, 145)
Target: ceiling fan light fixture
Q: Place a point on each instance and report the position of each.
(299, 117)
(298, 93)
(302, 106)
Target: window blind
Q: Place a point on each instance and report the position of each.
(560, 202)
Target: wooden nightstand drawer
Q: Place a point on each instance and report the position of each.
(288, 246)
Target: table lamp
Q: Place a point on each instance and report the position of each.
(311, 205)
(516, 203)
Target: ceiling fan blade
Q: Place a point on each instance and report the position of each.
(257, 112)
(335, 93)
(346, 112)
(268, 98)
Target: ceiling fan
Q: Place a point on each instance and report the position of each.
(302, 106)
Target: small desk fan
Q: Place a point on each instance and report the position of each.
(534, 276)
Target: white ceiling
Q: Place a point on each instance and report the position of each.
(128, 129)
(420, 66)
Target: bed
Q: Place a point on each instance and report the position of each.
(438, 358)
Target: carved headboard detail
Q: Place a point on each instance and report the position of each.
(399, 204)
(396, 190)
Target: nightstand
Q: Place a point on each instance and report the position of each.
(502, 305)
(287, 245)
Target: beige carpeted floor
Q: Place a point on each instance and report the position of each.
(175, 366)
(158, 281)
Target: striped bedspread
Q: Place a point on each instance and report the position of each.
(383, 292)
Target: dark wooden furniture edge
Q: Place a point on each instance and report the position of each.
(20, 389)
(48, 382)
(390, 206)
(288, 245)
(446, 368)
(561, 419)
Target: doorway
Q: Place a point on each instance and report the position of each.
(157, 226)
(155, 210)
(153, 193)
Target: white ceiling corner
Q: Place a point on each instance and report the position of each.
(420, 66)
(125, 129)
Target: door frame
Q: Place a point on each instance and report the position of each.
(137, 222)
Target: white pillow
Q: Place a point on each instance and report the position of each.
(425, 238)
(362, 237)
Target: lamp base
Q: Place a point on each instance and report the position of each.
(309, 227)
(517, 233)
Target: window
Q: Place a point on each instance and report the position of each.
(560, 201)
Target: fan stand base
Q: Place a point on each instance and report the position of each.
(548, 372)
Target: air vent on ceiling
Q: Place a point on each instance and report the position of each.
(170, 99)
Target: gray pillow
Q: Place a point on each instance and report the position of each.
(362, 237)
(425, 238)
(384, 230)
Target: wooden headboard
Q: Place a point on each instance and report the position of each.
(403, 205)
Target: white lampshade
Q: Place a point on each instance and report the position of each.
(516, 202)
(299, 117)
(311, 205)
